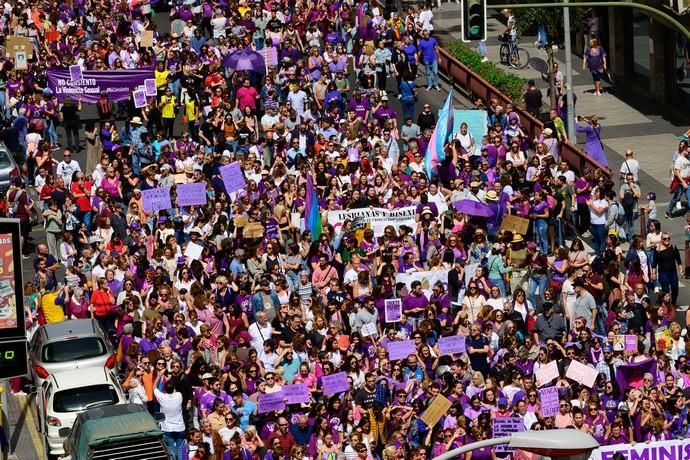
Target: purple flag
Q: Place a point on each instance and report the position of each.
(118, 84)
(631, 374)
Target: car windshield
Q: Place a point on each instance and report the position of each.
(72, 350)
(79, 399)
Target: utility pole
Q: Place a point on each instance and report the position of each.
(569, 74)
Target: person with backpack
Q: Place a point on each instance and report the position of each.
(667, 266)
(19, 207)
(629, 195)
(614, 214)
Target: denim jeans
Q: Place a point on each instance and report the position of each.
(408, 108)
(174, 440)
(676, 197)
(669, 283)
(541, 227)
(558, 227)
(537, 281)
(431, 69)
(481, 48)
(49, 132)
(598, 238)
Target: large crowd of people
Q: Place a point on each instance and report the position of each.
(214, 306)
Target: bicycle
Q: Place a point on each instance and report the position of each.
(511, 54)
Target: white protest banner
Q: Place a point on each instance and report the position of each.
(428, 279)
(675, 449)
(376, 218)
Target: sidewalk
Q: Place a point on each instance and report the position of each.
(652, 138)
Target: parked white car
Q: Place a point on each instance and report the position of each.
(63, 395)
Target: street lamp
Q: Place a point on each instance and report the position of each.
(570, 443)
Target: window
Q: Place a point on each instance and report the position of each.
(72, 350)
(79, 399)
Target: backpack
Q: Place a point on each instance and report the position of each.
(14, 207)
(619, 218)
(628, 199)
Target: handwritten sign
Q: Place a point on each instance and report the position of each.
(14, 44)
(146, 39)
(233, 177)
(438, 407)
(393, 311)
(369, 330)
(155, 199)
(549, 401)
(631, 343)
(271, 402)
(75, 72)
(297, 393)
(335, 383)
(546, 373)
(150, 87)
(139, 98)
(401, 349)
(452, 344)
(191, 194)
(270, 55)
(582, 374)
(514, 224)
(505, 426)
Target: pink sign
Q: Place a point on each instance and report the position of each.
(582, 374)
(296, 394)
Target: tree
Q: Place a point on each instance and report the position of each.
(529, 19)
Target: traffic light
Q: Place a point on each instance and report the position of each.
(473, 20)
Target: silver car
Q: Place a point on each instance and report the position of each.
(8, 169)
(71, 344)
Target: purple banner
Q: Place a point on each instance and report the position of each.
(155, 199)
(549, 401)
(452, 344)
(335, 383)
(271, 402)
(118, 84)
(297, 393)
(191, 194)
(401, 349)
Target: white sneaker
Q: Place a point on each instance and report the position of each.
(485, 59)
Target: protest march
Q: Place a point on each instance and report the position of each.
(253, 202)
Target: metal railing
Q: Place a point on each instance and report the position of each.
(474, 85)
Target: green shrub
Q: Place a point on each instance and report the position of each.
(509, 84)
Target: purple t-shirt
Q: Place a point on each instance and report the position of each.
(411, 302)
